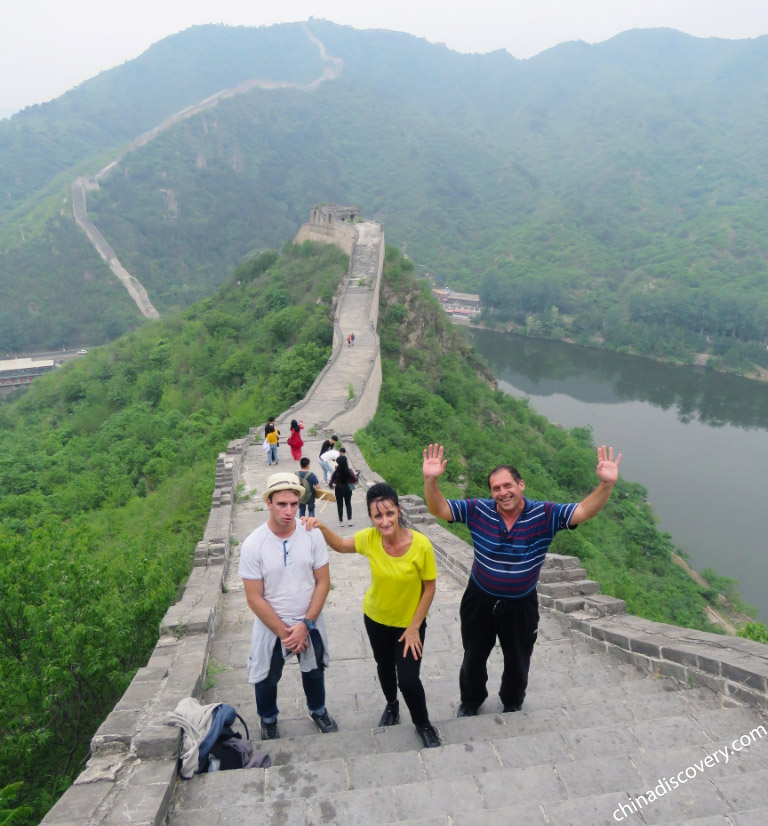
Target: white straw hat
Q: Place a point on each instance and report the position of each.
(281, 481)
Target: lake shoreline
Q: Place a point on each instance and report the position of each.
(760, 374)
(695, 439)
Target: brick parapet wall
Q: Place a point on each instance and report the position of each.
(730, 666)
(133, 765)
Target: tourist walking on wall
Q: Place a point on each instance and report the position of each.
(308, 508)
(341, 481)
(403, 574)
(294, 441)
(286, 576)
(328, 444)
(272, 436)
(510, 536)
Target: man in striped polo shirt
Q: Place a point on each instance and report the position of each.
(510, 535)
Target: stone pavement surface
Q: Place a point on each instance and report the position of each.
(350, 366)
(594, 734)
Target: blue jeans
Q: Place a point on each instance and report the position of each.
(308, 509)
(313, 682)
(327, 470)
(272, 454)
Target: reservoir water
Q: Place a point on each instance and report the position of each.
(695, 439)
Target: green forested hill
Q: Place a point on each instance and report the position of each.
(118, 105)
(615, 193)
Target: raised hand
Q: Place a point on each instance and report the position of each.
(607, 470)
(434, 464)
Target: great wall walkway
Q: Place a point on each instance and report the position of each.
(616, 708)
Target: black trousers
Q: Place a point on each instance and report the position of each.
(484, 618)
(343, 496)
(394, 669)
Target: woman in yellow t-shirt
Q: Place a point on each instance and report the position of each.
(403, 573)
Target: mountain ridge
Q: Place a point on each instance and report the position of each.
(543, 183)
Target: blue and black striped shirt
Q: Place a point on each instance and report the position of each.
(507, 562)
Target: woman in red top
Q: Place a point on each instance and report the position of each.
(294, 441)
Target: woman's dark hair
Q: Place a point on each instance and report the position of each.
(294, 425)
(382, 492)
(341, 476)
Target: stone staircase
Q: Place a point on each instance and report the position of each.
(594, 734)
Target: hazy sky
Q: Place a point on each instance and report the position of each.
(49, 46)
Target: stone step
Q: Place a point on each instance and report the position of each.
(628, 713)
(548, 575)
(494, 780)
(601, 605)
(568, 605)
(560, 590)
(560, 561)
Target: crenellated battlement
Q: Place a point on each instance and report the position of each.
(331, 223)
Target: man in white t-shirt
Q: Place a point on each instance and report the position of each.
(328, 462)
(287, 578)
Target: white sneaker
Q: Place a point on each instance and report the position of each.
(341, 524)
(350, 524)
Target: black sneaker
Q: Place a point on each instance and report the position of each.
(508, 708)
(269, 731)
(391, 715)
(466, 710)
(428, 735)
(324, 722)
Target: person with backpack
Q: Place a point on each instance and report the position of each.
(403, 576)
(342, 480)
(309, 481)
